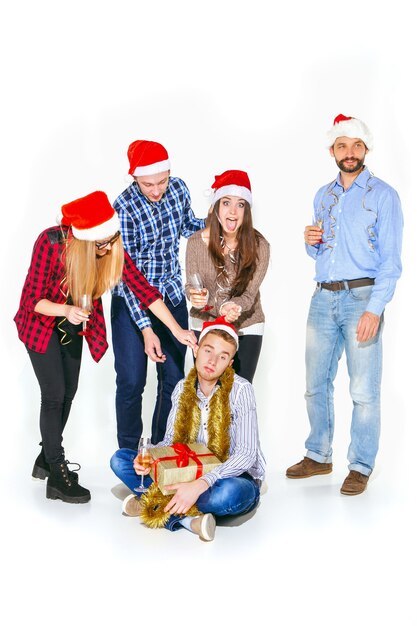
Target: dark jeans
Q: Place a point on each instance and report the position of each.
(131, 362)
(247, 356)
(57, 371)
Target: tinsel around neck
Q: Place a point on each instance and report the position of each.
(187, 425)
(187, 421)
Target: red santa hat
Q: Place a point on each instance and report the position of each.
(91, 217)
(147, 157)
(349, 127)
(219, 324)
(232, 183)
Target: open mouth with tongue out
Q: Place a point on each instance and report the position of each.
(231, 223)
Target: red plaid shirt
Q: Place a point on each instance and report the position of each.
(46, 279)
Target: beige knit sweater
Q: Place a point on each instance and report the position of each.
(198, 260)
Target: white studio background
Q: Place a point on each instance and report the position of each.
(223, 85)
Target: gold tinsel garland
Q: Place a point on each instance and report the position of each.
(187, 425)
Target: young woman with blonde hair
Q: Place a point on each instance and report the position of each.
(84, 256)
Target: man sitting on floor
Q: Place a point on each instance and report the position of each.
(216, 407)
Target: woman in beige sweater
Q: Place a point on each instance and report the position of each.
(231, 258)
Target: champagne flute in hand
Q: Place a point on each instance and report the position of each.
(143, 458)
(318, 221)
(196, 282)
(85, 304)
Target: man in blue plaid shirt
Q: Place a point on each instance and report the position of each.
(154, 211)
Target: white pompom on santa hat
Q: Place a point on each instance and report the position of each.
(349, 127)
(232, 183)
(91, 217)
(147, 158)
(219, 324)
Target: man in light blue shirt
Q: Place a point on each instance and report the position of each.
(356, 243)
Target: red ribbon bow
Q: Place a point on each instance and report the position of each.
(182, 458)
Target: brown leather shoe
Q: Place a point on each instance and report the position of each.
(307, 467)
(354, 484)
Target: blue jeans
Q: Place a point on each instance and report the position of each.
(229, 496)
(131, 363)
(331, 328)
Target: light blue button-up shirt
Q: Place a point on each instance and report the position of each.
(362, 235)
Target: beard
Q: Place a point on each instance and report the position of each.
(350, 169)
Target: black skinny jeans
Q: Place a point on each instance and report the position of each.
(246, 358)
(57, 371)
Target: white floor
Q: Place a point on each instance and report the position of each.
(307, 556)
(232, 89)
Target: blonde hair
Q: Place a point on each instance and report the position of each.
(223, 334)
(89, 274)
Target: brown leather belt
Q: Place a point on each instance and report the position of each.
(338, 285)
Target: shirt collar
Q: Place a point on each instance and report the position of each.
(201, 395)
(360, 180)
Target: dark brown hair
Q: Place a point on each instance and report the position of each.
(246, 253)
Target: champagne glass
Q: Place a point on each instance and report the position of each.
(143, 458)
(318, 221)
(85, 304)
(196, 283)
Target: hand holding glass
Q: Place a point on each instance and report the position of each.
(143, 458)
(317, 221)
(85, 304)
(196, 282)
(197, 285)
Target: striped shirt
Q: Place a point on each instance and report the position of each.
(245, 452)
(151, 234)
(46, 280)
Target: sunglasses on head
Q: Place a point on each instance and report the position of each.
(100, 245)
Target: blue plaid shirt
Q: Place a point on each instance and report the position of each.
(151, 234)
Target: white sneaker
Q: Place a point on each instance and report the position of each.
(132, 505)
(204, 526)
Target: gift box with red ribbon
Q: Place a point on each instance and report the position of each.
(181, 463)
